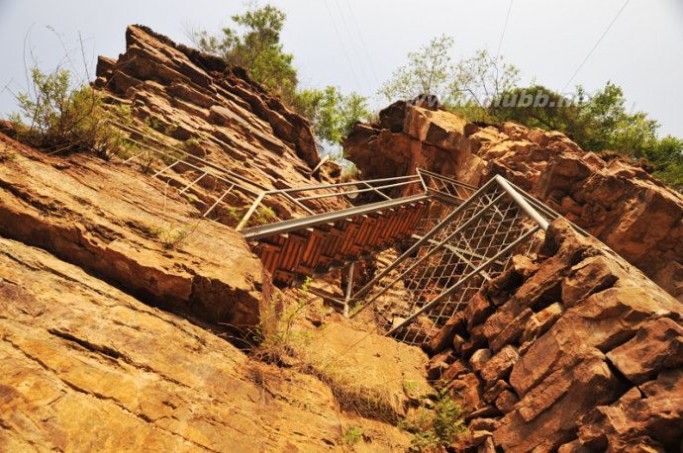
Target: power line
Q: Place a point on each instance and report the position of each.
(363, 43)
(351, 40)
(505, 27)
(609, 27)
(341, 43)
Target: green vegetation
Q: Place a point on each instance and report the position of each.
(192, 144)
(353, 435)
(172, 236)
(276, 336)
(599, 122)
(56, 117)
(257, 48)
(264, 215)
(331, 113)
(254, 44)
(465, 87)
(435, 428)
(7, 156)
(484, 88)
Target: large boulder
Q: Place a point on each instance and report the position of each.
(631, 211)
(124, 227)
(85, 367)
(579, 354)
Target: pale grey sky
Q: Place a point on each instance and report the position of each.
(356, 44)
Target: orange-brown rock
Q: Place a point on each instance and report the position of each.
(540, 322)
(444, 339)
(657, 346)
(87, 367)
(649, 418)
(467, 391)
(197, 103)
(575, 340)
(546, 418)
(118, 224)
(632, 212)
(499, 366)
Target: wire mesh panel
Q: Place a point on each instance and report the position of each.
(438, 275)
(447, 194)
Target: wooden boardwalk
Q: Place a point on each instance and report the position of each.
(317, 244)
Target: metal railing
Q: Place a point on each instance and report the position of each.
(444, 187)
(438, 275)
(468, 236)
(244, 201)
(385, 189)
(452, 191)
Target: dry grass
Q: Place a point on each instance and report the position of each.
(369, 374)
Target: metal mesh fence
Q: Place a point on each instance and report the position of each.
(439, 274)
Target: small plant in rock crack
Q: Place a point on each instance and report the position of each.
(231, 214)
(264, 215)
(7, 156)
(411, 389)
(192, 144)
(171, 236)
(435, 428)
(352, 435)
(58, 117)
(160, 126)
(277, 336)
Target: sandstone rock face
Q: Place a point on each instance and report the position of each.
(632, 212)
(86, 367)
(197, 103)
(98, 262)
(582, 353)
(116, 223)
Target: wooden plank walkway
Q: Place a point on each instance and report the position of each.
(315, 245)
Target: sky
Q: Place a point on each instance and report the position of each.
(357, 44)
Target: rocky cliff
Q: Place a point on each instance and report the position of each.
(118, 300)
(622, 205)
(194, 102)
(573, 351)
(85, 366)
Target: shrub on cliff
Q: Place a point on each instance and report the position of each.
(254, 44)
(485, 88)
(56, 117)
(332, 113)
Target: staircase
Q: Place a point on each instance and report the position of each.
(317, 244)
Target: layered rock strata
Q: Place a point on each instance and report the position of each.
(628, 209)
(575, 350)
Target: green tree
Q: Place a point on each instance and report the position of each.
(667, 157)
(483, 77)
(466, 87)
(427, 71)
(477, 82)
(332, 113)
(536, 106)
(255, 45)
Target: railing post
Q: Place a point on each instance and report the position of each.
(349, 289)
(250, 212)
